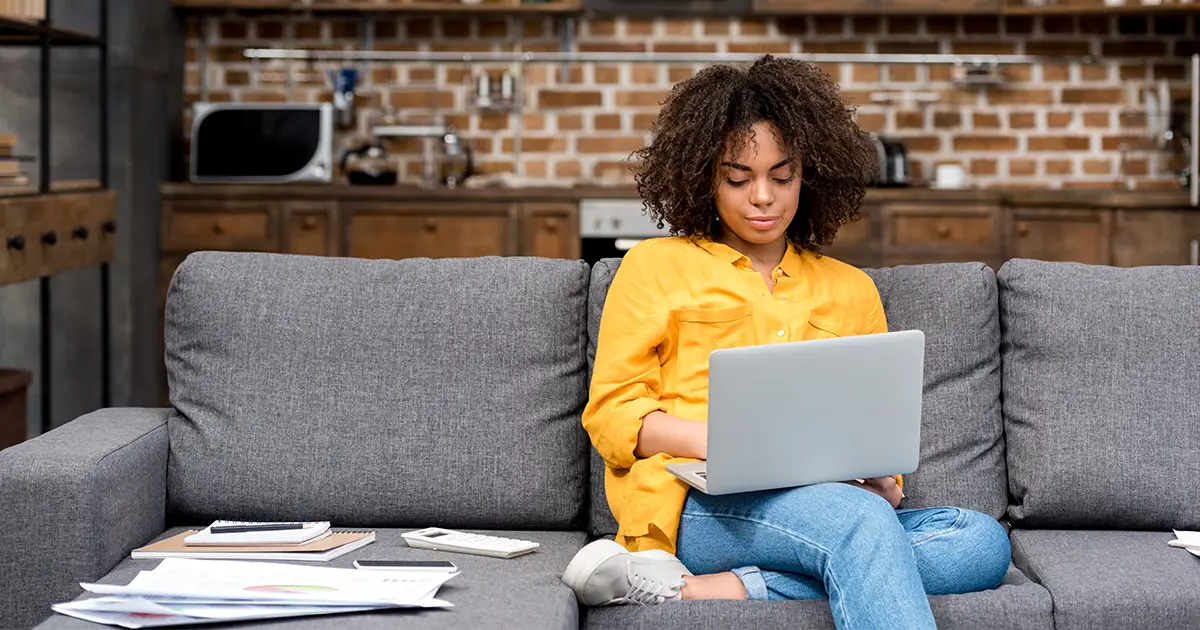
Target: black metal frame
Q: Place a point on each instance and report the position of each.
(45, 37)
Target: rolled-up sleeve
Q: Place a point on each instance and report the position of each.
(627, 377)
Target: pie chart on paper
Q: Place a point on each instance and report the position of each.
(292, 588)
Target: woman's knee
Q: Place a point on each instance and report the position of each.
(971, 554)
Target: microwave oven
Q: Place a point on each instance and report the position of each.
(262, 143)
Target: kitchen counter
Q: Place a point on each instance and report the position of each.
(1112, 199)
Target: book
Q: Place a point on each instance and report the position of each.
(334, 545)
(310, 531)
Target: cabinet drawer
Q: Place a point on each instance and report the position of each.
(231, 226)
(427, 236)
(854, 234)
(943, 228)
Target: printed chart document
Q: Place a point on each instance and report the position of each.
(185, 591)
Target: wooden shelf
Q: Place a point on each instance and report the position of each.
(562, 6)
(41, 235)
(21, 32)
(1128, 9)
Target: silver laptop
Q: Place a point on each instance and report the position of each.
(806, 412)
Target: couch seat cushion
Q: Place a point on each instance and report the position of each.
(385, 393)
(520, 593)
(1112, 579)
(1017, 603)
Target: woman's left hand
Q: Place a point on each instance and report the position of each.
(885, 487)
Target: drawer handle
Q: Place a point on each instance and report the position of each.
(551, 225)
(431, 225)
(308, 224)
(17, 243)
(218, 227)
(1022, 228)
(943, 230)
(50, 238)
(80, 233)
(109, 227)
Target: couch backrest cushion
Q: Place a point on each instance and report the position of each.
(1102, 395)
(962, 449)
(378, 393)
(962, 437)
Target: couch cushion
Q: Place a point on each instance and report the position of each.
(1017, 603)
(1101, 395)
(519, 593)
(962, 442)
(962, 434)
(398, 393)
(1112, 579)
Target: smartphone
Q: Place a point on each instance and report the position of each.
(406, 565)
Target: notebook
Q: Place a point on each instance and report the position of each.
(310, 531)
(335, 545)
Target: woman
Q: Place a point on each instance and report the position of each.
(754, 171)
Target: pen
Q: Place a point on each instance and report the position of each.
(266, 527)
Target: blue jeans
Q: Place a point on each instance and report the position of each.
(876, 565)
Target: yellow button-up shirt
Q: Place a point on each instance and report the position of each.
(672, 302)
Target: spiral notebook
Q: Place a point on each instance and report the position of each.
(327, 548)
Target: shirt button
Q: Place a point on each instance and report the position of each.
(780, 333)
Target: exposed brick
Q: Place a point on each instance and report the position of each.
(643, 122)
(1058, 25)
(611, 170)
(497, 166)
(1058, 167)
(602, 27)
(1133, 72)
(828, 25)
(1020, 97)
(644, 74)
(1059, 143)
(606, 122)
(612, 46)
(759, 47)
(562, 98)
(651, 98)
(902, 74)
(984, 167)
(839, 47)
(1080, 96)
(903, 25)
(1055, 48)
(675, 74)
(1097, 167)
(792, 25)
(230, 29)
(985, 143)
(1134, 48)
(679, 27)
(306, 30)
(872, 122)
(947, 120)
(535, 168)
(1059, 120)
(456, 27)
(923, 144)
(607, 74)
(1019, 72)
(1170, 71)
(984, 47)
(534, 122)
(1088, 185)
(865, 24)
(1096, 120)
(1156, 184)
(567, 168)
(1095, 25)
(465, 45)
(1114, 143)
(422, 75)
(985, 120)
(536, 27)
(1132, 25)
(1187, 48)
(864, 73)
(493, 122)
(1169, 25)
(639, 27)
(617, 144)
(535, 145)
(1022, 168)
(1093, 72)
(685, 47)
(941, 25)
(419, 27)
(910, 120)
(748, 27)
(1055, 73)
(906, 48)
(422, 98)
(262, 96)
(1018, 25)
(344, 29)
(493, 27)
(980, 25)
(1136, 166)
(716, 27)
(570, 122)
(235, 78)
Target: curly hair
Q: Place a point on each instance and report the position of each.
(715, 110)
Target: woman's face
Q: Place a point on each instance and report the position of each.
(757, 192)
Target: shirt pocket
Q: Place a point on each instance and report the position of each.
(700, 331)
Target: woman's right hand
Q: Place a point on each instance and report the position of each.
(663, 433)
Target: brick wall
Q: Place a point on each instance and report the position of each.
(1058, 125)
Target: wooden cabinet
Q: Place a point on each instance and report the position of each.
(1156, 237)
(41, 235)
(398, 230)
(550, 230)
(309, 228)
(934, 232)
(220, 224)
(1060, 235)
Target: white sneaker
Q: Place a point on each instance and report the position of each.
(605, 573)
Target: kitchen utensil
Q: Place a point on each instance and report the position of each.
(455, 159)
(368, 165)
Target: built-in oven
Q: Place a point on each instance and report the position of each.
(609, 227)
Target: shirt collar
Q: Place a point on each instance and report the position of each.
(790, 264)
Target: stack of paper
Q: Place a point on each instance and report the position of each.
(304, 533)
(1187, 540)
(183, 591)
(322, 548)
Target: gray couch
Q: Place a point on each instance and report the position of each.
(1062, 399)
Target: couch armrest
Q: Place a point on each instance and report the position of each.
(74, 502)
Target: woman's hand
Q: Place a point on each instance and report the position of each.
(664, 433)
(885, 487)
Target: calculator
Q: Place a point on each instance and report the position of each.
(463, 542)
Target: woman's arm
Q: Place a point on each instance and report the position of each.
(664, 433)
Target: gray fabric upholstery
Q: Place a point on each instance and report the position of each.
(600, 519)
(1110, 579)
(962, 434)
(403, 393)
(73, 502)
(1101, 395)
(519, 593)
(1017, 603)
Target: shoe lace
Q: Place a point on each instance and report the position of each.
(645, 591)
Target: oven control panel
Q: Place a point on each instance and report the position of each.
(616, 218)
